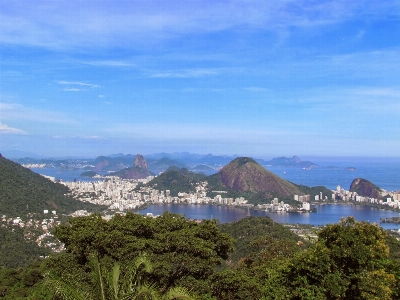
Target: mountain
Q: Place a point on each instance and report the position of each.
(176, 180)
(210, 159)
(104, 164)
(132, 173)
(23, 191)
(246, 175)
(161, 165)
(288, 162)
(140, 162)
(138, 171)
(365, 188)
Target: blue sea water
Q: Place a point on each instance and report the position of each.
(326, 213)
(383, 172)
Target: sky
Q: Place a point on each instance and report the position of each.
(249, 78)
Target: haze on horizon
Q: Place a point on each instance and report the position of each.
(252, 78)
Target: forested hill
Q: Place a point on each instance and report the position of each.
(248, 230)
(176, 180)
(23, 191)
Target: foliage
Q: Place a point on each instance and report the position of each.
(15, 251)
(23, 283)
(122, 282)
(178, 248)
(347, 262)
(247, 230)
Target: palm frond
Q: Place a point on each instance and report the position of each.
(65, 289)
(177, 293)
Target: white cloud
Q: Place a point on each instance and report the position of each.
(5, 129)
(90, 85)
(73, 90)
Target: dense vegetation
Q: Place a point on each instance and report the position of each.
(15, 250)
(169, 255)
(23, 191)
(248, 230)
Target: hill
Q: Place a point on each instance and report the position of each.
(132, 173)
(176, 180)
(90, 174)
(247, 230)
(243, 174)
(23, 191)
(365, 188)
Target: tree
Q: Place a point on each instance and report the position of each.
(115, 284)
(349, 261)
(180, 250)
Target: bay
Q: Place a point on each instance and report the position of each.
(326, 213)
(64, 175)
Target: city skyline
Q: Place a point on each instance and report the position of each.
(280, 78)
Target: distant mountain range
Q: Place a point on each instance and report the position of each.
(159, 162)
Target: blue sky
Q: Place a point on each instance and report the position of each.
(252, 78)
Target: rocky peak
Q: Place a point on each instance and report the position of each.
(141, 162)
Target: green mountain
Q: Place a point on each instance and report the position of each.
(365, 188)
(176, 180)
(23, 191)
(132, 173)
(243, 174)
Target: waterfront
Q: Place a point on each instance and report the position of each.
(328, 213)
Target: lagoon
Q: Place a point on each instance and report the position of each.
(326, 213)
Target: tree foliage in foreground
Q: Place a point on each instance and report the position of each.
(350, 260)
(182, 252)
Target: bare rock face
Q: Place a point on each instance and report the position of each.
(141, 162)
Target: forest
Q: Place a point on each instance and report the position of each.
(170, 257)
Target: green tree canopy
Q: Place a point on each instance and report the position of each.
(179, 249)
(349, 261)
